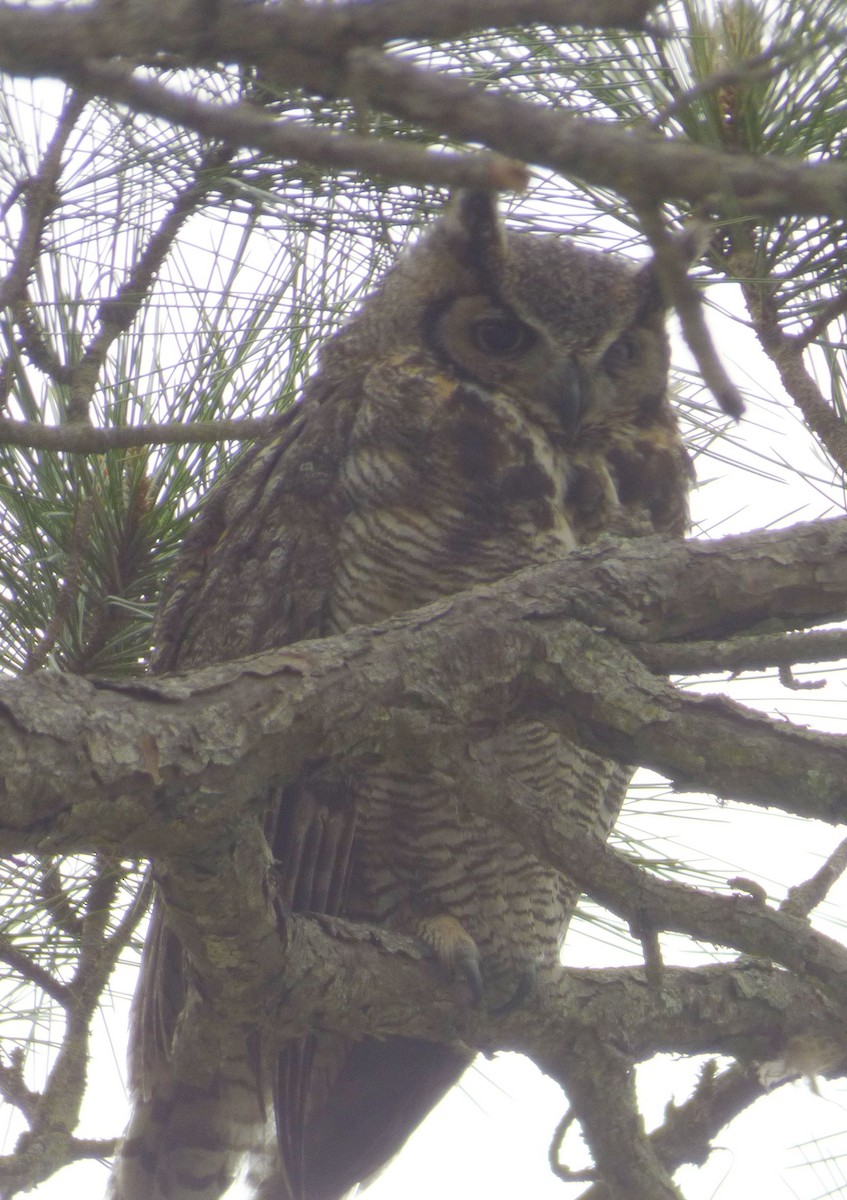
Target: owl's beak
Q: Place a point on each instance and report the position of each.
(567, 393)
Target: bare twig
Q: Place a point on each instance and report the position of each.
(33, 971)
(688, 1129)
(556, 1165)
(788, 680)
(116, 313)
(672, 264)
(748, 653)
(805, 897)
(85, 439)
(241, 124)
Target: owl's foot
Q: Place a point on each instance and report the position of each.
(454, 948)
(524, 989)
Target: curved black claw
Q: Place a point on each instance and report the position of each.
(455, 949)
(524, 989)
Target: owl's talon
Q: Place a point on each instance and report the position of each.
(524, 989)
(455, 949)
(467, 967)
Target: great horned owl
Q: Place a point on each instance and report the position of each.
(499, 400)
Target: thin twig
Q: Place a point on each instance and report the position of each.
(85, 439)
(672, 265)
(116, 313)
(746, 653)
(32, 971)
(559, 1169)
(240, 124)
(805, 897)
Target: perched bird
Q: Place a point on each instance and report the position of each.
(500, 399)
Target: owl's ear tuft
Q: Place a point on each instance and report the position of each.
(473, 225)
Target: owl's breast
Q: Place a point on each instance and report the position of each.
(421, 852)
(446, 485)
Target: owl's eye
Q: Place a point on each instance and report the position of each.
(621, 353)
(501, 335)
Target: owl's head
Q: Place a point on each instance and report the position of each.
(573, 338)
(577, 334)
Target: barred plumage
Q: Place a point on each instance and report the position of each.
(498, 401)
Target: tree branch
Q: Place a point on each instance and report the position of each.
(86, 439)
(644, 167)
(787, 354)
(149, 26)
(333, 969)
(241, 124)
(747, 652)
(117, 766)
(600, 1082)
(688, 1129)
(329, 51)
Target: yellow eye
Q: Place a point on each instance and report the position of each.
(501, 335)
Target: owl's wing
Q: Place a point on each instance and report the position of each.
(343, 1108)
(256, 568)
(380, 1092)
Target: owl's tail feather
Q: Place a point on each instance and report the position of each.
(185, 1143)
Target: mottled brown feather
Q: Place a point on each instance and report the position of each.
(498, 401)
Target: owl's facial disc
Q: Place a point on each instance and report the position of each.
(485, 341)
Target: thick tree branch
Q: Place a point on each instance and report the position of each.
(117, 766)
(333, 969)
(115, 29)
(332, 51)
(600, 1083)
